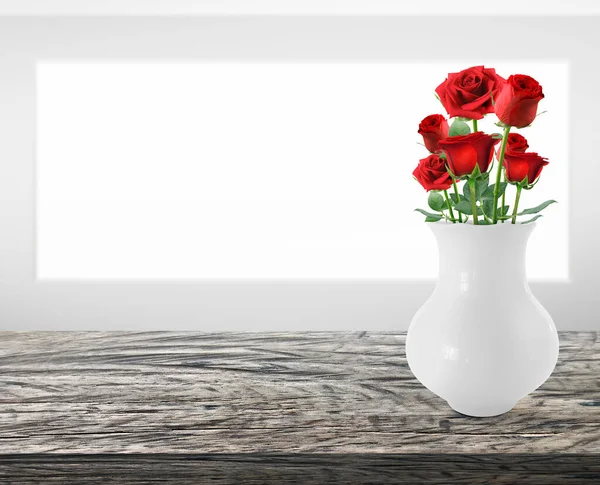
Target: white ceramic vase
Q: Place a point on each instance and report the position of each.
(482, 341)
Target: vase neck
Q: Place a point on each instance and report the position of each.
(482, 258)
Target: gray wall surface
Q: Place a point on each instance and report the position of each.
(276, 305)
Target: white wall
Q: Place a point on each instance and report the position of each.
(289, 304)
(297, 7)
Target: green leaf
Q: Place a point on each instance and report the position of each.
(488, 207)
(436, 201)
(462, 118)
(467, 191)
(489, 192)
(484, 222)
(459, 128)
(429, 214)
(464, 207)
(535, 210)
(504, 210)
(433, 219)
(482, 185)
(533, 219)
(456, 198)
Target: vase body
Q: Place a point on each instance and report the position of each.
(482, 341)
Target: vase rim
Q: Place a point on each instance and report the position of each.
(530, 225)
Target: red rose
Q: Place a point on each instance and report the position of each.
(515, 143)
(464, 152)
(521, 165)
(433, 128)
(432, 174)
(469, 93)
(517, 103)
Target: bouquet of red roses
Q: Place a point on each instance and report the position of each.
(458, 155)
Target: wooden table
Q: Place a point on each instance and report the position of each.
(276, 408)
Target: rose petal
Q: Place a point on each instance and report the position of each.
(477, 103)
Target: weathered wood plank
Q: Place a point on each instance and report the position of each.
(166, 392)
(438, 469)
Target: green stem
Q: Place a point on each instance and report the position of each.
(503, 198)
(514, 214)
(499, 173)
(473, 200)
(474, 126)
(457, 197)
(449, 206)
(485, 216)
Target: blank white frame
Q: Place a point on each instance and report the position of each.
(302, 170)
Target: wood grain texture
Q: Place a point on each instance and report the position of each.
(297, 397)
(234, 469)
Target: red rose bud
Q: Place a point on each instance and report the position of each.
(517, 103)
(432, 174)
(433, 128)
(515, 143)
(464, 152)
(521, 164)
(469, 93)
